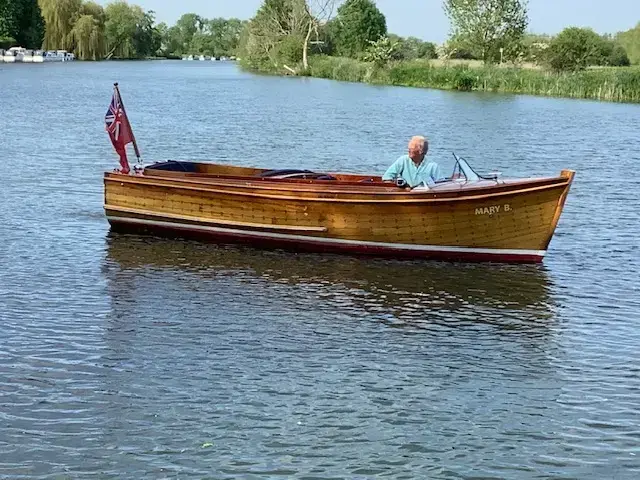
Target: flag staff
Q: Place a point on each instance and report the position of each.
(133, 138)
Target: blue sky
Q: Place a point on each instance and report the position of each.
(425, 18)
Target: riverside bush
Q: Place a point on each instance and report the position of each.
(607, 83)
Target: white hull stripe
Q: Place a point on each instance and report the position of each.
(329, 241)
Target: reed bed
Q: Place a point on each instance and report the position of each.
(605, 84)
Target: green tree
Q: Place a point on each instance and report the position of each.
(630, 41)
(618, 56)
(458, 48)
(381, 51)
(172, 43)
(219, 38)
(163, 34)
(201, 44)
(30, 25)
(484, 27)
(412, 48)
(7, 42)
(88, 32)
(358, 23)
(535, 47)
(123, 30)
(21, 23)
(88, 38)
(275, 34)
(186, 27)
(147, 39)
(9, 16)
(576, 48)
(323, 41)
(231, 36)
(427, 50)
(59, 17)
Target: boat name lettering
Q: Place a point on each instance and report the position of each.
(493, 209)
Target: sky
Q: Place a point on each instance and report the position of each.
(425, 19)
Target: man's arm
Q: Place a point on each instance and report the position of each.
(393, 171)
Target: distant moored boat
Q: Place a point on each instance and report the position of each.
(9, 57)
(58, 56)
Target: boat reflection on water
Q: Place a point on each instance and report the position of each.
(397, 291)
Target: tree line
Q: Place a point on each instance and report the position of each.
(493, 31)
(119, 30)
(287, 32)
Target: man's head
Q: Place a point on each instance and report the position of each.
(418, 148)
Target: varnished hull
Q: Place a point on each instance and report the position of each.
(511, 222)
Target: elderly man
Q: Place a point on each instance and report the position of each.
(412, 168)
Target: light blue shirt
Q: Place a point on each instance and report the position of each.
(405, 168)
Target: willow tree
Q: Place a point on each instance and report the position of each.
(87, 38)
(59, 17)
(87, 34)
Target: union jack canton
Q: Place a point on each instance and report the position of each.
(113, 118)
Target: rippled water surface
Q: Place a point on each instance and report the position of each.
(129, 357)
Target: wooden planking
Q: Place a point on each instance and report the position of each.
(396, 225)
(212, 221)
(454, 222)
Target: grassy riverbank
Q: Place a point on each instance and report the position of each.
(606, 84)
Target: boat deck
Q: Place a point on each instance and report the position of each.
(212, 175)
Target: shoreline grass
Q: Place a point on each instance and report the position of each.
(604, 84)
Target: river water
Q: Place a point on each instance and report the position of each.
(129, 357)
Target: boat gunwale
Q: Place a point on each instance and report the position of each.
(339, 186)
(405, 197)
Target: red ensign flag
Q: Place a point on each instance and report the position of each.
(119, 129)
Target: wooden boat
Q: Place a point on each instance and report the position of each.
(466, 217)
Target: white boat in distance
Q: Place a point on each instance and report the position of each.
(22, 55)
(27, 56)
(13, 55)
(58, 56)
